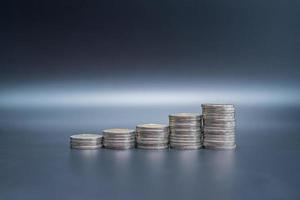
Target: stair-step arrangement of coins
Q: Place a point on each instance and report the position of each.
(214, 129)
(219, 126)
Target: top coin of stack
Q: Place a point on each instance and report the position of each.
(152, 136)
(118, 138)
(86, 141)
(185, 131)
(219, 126)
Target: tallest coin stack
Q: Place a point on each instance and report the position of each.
(219, 126)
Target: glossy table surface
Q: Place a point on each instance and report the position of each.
(37, 163)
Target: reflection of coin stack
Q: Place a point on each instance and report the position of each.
(119, 138)
(185, 132)
(152, 136)
(86, 141)
(219, 126)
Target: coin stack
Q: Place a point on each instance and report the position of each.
(219, 126)
(185, 131)
(86, 141)
(152, 136)
(118, 138)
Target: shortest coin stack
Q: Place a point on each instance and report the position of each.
(185, 131)
(86, 141)
(152, 136)
(118, 138)
(219, 126)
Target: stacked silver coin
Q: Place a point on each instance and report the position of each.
(219, 126)
(86, 141)
(152, 136)
(185, 131)
(118, 138)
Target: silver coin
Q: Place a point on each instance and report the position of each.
(211, 129)
(187, 129)
(120, 147)
(216, 105)
(217, 110)
(185, 124)
(221, 148)
(86, 137)
(153, 147)
(186, 141)
(218, 142)
(229, 116)
(118, 135)
(151, 139)
(85, 147)
(189, 147)
(186, 136)
(153, 136)
(119, 141)
(218, 120)
(187, 133)
(219, 127)
(219, 123)
(152, 126)
(86, 143)
(212, 110)
(150, 134)
(218, 135)
(172, 122)
(180, 120)
(119, 131)
(185, 116)
(197, 135)
(213, 137)
(152, 142)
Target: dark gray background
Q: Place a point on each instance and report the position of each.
(83, 66)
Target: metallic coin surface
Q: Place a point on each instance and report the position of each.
(119, 138)
(85, 147)
(152, 147)
(86, 137)
(220, 148)
(152, 126)
(86, 141)
(218, 126)
(185, 130)
(152, 136)
(188, 147)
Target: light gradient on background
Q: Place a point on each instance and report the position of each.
(83, 66)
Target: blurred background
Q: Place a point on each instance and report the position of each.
(82, 63)
(83, 66)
